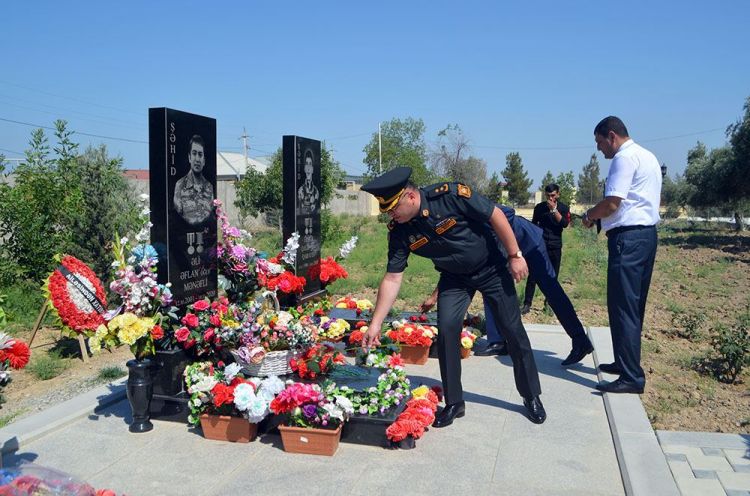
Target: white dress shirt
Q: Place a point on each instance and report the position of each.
(634, 176)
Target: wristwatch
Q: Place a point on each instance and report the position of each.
(517, 254)
(553, 211)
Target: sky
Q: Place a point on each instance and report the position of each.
(533, 77)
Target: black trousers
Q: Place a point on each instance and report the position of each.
(454, 296)
(555, 256)
(632, 251)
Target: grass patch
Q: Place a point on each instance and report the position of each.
(7, 419)
(23, 300)
(47, 365)
(111, 373)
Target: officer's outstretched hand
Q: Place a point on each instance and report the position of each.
(518, 269)
(371, 338)
(428, 303)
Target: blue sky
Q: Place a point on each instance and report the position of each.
(533, 77)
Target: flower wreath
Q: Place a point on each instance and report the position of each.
(66, 290)
(391, 390)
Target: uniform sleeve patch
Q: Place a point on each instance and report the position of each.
(418, 243)
(464, 191)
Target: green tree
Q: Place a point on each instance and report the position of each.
(566, 181)
(738, 186)
(589, 185)
(673, 195)
(494, 188)
(263, 193)
(402, 145)
(517, 181)
(547, 179)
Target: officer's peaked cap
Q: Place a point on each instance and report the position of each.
(387, 187)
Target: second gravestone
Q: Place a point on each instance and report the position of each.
(302, 206)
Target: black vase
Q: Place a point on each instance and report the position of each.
(140, 390)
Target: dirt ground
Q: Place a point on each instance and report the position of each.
(693, 275)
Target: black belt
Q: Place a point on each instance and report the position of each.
(621, 229)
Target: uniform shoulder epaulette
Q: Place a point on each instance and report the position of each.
(463, 190)
(437, 189)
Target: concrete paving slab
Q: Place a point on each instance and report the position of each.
(493, 449)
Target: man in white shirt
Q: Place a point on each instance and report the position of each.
(629, 213)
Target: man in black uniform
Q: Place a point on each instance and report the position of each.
(552, 216)
(450, 224)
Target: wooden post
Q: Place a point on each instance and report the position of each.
(39, 320)
(84, 353)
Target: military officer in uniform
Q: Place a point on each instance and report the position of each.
(450, 224)
(531, 243)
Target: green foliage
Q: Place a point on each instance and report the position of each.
(688, 325)
(547, 179)
(107, 374)
(47, 365)
(730, 351)
(22, 305)
(402, 145)
(590, 187)
(494, 189)
(739, 138)
(567, 184)
(674, 195)
(3, 316)
(518, 182)
(264, 193)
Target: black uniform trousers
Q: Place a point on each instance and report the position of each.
(555, 256)
(542, 268)
(632, 251)
(455, 293)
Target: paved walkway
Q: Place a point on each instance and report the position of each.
(494, 449)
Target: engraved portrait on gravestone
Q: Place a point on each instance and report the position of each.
(193, 193)
(308, 194)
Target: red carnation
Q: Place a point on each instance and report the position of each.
(200, 305)
(17, 354)
(223, 395)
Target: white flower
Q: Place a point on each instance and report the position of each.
(334, 411)
(204, 384)
(143, 197)
(344, 403)
(231, 371)
(347, 247)
(257, 410)
(273, 385)
(244, 395)
(290, 250)
(124, 240)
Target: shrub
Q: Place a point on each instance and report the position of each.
(730, 352)
(111, 373)
(688, 325)
(47, 366)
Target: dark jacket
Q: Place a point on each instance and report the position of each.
(546, 220)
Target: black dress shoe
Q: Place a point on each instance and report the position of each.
(610, 368)
(577, 354)
(619, 386)
(493, 349)
(450, 412)
(535, 409)
(526, 308)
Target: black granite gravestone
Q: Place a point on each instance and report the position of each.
(182, 172)
(301, 159)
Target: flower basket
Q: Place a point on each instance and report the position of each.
(273, 363)
(465, 352)
(310, 441)
(416, 355)
(226, 428)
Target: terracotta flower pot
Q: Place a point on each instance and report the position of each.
(416, 355)
(226, 428)
(465, 352)
(310, 441)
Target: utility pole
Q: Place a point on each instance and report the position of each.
(245, 147)
(380, 151)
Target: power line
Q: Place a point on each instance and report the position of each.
(75, 132)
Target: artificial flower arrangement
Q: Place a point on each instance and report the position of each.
(138, 321)
(312, 308)
(468, 336)
(360, 306)
(14, 354)
(411, 333)
(311, 406)
(277, 274)
(225, 391)
(76, 296)
(210, 326)
(328, 270)
(235, 259)
(391, 390)
(331, 329)
(319, 359)
(418, 415)
(30, 479)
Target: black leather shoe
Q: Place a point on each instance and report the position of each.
(619, 386)
(450, 412)
(577, 354)
(493, 349)
(610, 368)
(526, 308)
(535, 409)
